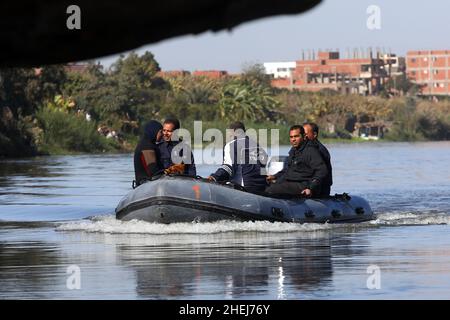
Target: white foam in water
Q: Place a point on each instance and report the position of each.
(109, 224)
(410, 218)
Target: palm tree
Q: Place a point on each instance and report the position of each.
(254, 102)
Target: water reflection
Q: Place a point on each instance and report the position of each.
(62, 187)
(229, 265)
(28, 268)
(31, 168)
(232, 265)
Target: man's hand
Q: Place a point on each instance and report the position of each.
(270, 179)
(176, 168)
(211, 178)
(307, 193)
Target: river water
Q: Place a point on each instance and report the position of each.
(59, 238)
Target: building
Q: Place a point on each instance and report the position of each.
(173, 73)
(360, 74)
(213, 74)
(78, 67)
(370, 130)
(430, 70)
(394, 65)
(279, 69)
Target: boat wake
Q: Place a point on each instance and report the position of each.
(109, 224)
(411, 218)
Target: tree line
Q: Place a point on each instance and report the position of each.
(51, 110)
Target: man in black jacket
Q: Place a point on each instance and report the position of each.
(305, 170)
(311, 133)
(184, 163)
(243, 161)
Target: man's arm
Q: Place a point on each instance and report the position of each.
(148, 160)
(279, 174)
(187, 157)
(190, 168)
(327, 158)
(225, 172)
(324, 151)
(320, 170)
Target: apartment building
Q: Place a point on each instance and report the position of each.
(430, 70)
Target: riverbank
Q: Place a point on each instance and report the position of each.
(326, 141)
(56, 131)
(95, 110)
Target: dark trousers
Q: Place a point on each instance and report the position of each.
(286, 189)
(256, 190)
(325, 191)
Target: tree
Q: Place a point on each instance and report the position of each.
(403, 84)
(14, 83)
(255, 74)
(47, 82)
(137, 72)
(195, 90)
(22, 91)
(240, 101)
(131, 91)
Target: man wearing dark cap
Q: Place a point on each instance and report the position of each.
(146, 154)
(243, 161)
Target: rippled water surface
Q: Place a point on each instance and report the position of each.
(56, 214)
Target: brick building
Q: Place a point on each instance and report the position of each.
(430, 70)
(214, 74)
(173, 73)
(363, 75)
(78, 67)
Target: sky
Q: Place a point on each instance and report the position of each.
(335, 24)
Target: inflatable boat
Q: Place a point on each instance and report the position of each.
(171, 199)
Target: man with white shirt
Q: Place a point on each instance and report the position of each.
(243, 161)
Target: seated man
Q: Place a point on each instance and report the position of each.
(166, 149)
(146, 154)
(311, 133)
(243, 161)
(305, 169)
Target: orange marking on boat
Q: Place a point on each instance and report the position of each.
(196, 189)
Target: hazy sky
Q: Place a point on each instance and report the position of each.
(335, 24)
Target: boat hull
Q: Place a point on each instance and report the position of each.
(184, 199)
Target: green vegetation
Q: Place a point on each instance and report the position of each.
(52, 110)
(62, 132)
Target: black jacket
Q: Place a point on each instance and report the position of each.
(328, 182)
(305, 164)
(166, 148)
(243, 162)
(143, 170)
